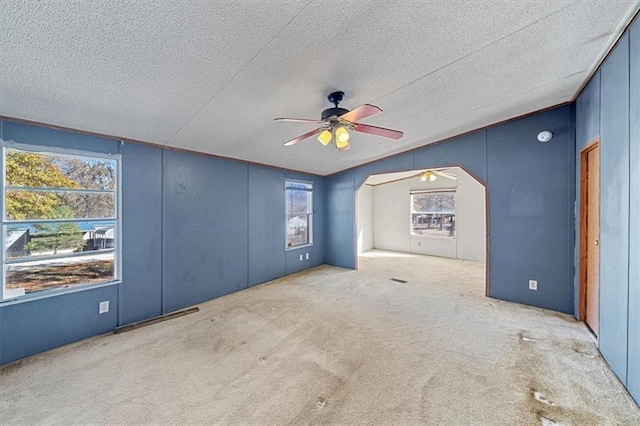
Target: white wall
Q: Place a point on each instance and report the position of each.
(364, 215)
(471, 222)
(392, 218)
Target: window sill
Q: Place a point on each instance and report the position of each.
(46, 294)
(432, 237)
(298, 247)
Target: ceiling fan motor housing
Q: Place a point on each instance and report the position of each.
(333, 112)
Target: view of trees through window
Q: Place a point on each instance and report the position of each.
(433, 213)
(298, 200)
(60, 219)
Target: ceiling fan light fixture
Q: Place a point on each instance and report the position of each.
(428, 175)
(325, 137)
(341, 145)
(342, 136)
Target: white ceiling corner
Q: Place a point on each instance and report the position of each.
(211, 76)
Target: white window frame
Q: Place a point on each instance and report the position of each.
(432, 191)
(309, 215)
(8, 296)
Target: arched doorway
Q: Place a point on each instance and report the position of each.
(428, 218)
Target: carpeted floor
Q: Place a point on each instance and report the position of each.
(333, 346)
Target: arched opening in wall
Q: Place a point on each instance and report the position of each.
(426, 226)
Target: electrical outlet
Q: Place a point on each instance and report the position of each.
(103, 307)
(307, 256)
(533, 285)
(301, 258)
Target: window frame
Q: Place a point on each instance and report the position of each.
(433, 191)
(309, 215)
(8, 297)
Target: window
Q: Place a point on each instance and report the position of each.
(60, 222)
(433, 213)
(299, 208)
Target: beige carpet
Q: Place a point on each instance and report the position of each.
(333, 346)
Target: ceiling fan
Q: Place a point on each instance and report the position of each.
(432, 174)
(336, 122)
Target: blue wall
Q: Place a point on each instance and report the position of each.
(194, 228)
(531, 193)
(609, 108)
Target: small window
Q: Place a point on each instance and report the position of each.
(299, 208)
(433, 213)
(60, 225)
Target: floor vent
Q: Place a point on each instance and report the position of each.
(155, 320)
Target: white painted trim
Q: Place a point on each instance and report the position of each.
(9, 297)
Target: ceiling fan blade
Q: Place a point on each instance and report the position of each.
(445, 175)
(363, 111)
(298, 120)
(378, 131)
(305, 136)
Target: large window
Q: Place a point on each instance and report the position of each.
(60, 224)
(299, 208)
(433, 213)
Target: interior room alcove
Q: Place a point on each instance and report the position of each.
(447, 219)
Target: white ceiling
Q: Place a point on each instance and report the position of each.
(210, 76)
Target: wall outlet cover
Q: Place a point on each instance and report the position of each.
(307, 256)
(103, 307)
(533, 285)
(301, 258)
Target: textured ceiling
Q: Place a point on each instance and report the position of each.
(210, 76)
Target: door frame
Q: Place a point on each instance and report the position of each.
(582, 211)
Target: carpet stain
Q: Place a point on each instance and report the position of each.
(532, 365)
(584, 349)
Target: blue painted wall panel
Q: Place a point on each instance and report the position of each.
(633, 362)
(466, 150)
(141, 289)
(38, 325)
(293, 263)
(396, 163)
(614, 207)
(587, 130)
(531, 210)
(588, 127)
(340, 247)
(205, 217)
(29, 134)
(266, 224)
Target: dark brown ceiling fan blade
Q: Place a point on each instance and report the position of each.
(298, 120)
(363, 111)
(305, 136)
(378, 131)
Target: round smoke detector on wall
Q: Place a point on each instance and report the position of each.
(545, 136)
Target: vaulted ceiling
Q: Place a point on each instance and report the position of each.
(210, 76)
